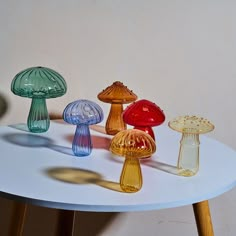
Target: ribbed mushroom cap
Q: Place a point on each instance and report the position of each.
(143, 113)
(40, 82)
(191, 124)
(117, 93)
(83, 112)
(132, 143)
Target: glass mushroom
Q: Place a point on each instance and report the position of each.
(39, 84)
(190, 127)
(82, 113)
(143, 115)
(133, 144)
(117, 94)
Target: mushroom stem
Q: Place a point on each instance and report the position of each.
(146, 129)
(38, 119)
(115, 122)
(131, 176)
(188, 160)
(82, 145)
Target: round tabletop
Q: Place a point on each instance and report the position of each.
(41, 169)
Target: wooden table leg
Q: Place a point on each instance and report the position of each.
(66, 222)
(203, 218)
(18, 219)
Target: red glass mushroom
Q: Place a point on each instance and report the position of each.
(143, 115)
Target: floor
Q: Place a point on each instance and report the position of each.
(168, 222)
(178, 221)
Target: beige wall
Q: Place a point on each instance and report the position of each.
(179, 54)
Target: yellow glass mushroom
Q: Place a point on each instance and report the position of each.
(133, 144)
(190, 127)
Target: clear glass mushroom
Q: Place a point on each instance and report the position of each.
(132, 144)
(39, 84)
(117, 94)
(82, 113)
(190, 127)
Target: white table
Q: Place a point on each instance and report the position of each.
(41, 169)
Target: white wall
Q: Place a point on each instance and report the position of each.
(179, 54)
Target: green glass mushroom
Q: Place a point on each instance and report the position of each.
(39, 84)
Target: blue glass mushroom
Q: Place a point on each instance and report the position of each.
(82, 113)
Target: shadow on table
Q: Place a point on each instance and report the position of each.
(98, 128)
(35, 141)
(81, 176)
(20, 126)
(161, 166)
(170, 169)
(98, 142)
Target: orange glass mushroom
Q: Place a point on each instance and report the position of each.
(117, 94)
(133, 144)
(143, 115)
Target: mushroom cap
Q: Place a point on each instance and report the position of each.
(132, 143)
(191, 124)
(143, 113)
(117, 93)
(39, 82)
(83, 111)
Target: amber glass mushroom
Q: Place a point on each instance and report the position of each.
(190, 127)
(143, 115)
(117, 94)
(132, 144)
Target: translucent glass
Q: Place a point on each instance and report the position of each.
(38, 83)
(115, 123)
(143, 115)
(188, 161)
(82, 144)
(117, 94)
(38, 119)
(133, 144)
(82, 113)
(131, 176)
(190, 127)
